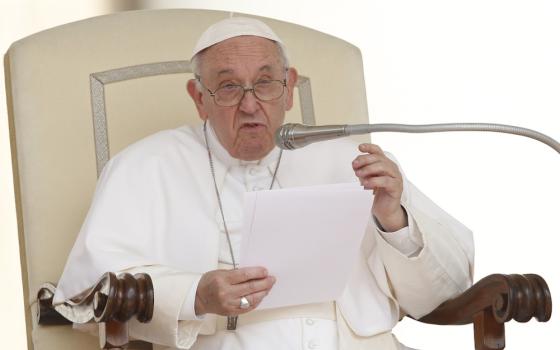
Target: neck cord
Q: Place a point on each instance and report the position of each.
(232, 320)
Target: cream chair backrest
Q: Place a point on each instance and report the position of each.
(81, 92)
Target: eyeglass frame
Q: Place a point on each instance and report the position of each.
(284, 83)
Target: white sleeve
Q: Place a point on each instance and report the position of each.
(441, 270)
(407, 240)
(171, 289)
(187, 312)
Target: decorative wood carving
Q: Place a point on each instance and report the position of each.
(111, 302)
(491, 302)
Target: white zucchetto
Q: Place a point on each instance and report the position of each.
(231, 28)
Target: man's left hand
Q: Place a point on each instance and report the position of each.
(379, 173)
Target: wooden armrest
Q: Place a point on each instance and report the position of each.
(488, 304)
(491, 302)
(111, 302)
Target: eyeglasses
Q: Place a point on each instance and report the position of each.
(231, 94)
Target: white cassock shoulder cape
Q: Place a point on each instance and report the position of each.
(155, 206)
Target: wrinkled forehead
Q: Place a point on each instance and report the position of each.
(241, 54)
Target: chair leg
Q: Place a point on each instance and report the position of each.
(488, 333)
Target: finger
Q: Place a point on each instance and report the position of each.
(375, 183)
(254, 286)
(371, 148)
(246, 274)
(389, 184)
(365, 159)
(375, 169)
(254, 299)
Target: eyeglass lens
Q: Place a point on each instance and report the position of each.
(230, 95)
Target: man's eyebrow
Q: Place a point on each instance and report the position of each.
(225, 71)
(266, 68)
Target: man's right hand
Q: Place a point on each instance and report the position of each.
(220, 291)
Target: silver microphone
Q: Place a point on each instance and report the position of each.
(292, 136)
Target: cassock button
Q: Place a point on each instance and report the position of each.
(253, 171)
(257, 188)
(309, 322)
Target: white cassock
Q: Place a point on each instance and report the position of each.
(155, 211)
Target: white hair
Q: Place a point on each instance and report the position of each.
(197, 60)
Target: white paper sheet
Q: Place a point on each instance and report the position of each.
(307, 237)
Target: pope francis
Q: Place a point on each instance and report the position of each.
(170, 205)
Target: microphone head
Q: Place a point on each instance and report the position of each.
(284, 136)
(292, 136)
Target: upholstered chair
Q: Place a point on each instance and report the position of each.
(81, 92)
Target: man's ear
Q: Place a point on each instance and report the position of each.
(291, 81)
(196, 96)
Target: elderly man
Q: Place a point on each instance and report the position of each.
(170, 205)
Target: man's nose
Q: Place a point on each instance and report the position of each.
(248, 103)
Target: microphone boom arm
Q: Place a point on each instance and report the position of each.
(292, 136)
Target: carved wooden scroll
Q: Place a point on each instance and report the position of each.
(491, 302)
(111, 302)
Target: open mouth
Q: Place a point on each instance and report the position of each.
(252, 126)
